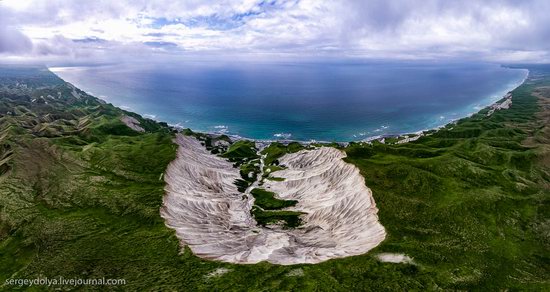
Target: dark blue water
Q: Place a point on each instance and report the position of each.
(328, 102)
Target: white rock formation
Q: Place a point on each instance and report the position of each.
(132, 123)
(505, 104)
(395, 258)
(218, 272)
(410, 139)
(211, 217)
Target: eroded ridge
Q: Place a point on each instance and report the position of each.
(211, 217)
(341, 215)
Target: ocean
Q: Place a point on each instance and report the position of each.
(299, 101)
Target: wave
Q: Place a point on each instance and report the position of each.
(282, 135)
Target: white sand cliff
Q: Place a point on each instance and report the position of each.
(395, 258)
(505, 104)
(211, 217)
(132, 123)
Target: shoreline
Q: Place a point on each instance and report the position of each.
(375, 137)
(367, 139)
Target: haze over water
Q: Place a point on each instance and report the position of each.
(300, 101)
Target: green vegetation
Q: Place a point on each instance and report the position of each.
(272, 154)
(216, 144)
(249, 171)
(241, 151)
(244, 155)
(273, 168)
(391, 140)
(276, 150)
(80, 197)
(242, 185)
(470, 202)
(267, 201)
(290, 219)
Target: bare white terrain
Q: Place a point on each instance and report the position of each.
(394, 258)
(211, 217)
(132, 123)
(505, 104)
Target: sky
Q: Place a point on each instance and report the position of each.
(503, 31)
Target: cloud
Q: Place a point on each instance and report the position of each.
(13, 41)
(492, 30)
(161, 44)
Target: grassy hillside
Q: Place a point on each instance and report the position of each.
(80, 194)
(471, 202)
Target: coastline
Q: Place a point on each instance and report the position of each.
(368, 139)
(382, 136)
(479, 187)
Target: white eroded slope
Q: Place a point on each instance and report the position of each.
(210, 216)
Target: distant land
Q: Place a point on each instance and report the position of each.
(87, 188)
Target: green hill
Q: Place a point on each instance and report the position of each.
(80, 194)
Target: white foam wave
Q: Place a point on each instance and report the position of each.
(282, 135)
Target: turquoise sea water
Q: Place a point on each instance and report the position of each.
(300, 101)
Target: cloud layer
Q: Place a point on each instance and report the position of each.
(492, 30)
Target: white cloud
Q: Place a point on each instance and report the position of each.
(490, 30)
